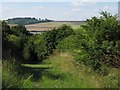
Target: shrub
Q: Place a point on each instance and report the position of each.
(34, 49)
(19, 30)
(12, 40)
(56, 35)
(103, 40)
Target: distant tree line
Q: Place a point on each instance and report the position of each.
(27, 20)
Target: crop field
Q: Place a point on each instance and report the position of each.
(51, 25)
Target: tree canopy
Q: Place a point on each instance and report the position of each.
(27, 20)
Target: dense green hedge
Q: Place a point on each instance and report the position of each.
(56, 35)
(96, 43)
(104, 33)
(12, 43)
(34, 49)
(17, 42)
(38, 47)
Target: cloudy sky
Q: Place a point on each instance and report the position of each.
(72, 10)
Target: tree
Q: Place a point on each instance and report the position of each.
(19, 30)
(103, 40)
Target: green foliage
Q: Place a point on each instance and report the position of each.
(55, 36)
(34, 49)
(19, 30)
(25, 21)
(69, 43)
(104, 32)
(99, 40)
(38, 47)
(12, 40)
(5, 29)
(10, 78)
(95, 43)
(15, 41)
(5, 32)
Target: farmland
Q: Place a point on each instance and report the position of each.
(51, 25)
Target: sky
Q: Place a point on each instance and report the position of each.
(69, 11)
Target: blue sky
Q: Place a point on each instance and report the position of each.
(56, 10)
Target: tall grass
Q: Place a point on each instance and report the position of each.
(11, 78)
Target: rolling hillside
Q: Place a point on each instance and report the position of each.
(51, 25)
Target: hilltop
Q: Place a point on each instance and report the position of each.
(27, 20)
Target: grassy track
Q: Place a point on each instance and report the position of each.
(66, 73)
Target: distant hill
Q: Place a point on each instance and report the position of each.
(27, 20)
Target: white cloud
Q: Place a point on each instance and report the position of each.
(77, 6)
(82, 3)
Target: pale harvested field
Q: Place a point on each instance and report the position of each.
(48, 25)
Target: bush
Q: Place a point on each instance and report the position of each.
(19, 30)
(56, 35)
(34, 49)
(104, 32)
(12, 40)
(69, 43)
